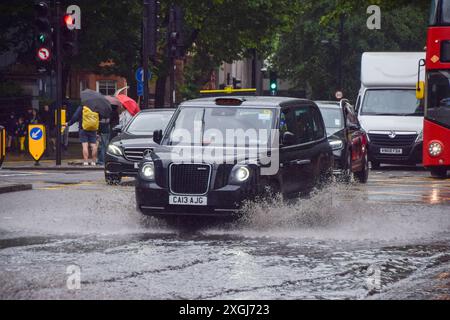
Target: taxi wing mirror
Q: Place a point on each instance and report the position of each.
(157, 136)
(288, 139)
(117, 129)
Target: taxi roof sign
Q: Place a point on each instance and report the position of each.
(229, 101)
(228, 90)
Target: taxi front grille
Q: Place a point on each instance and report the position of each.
(189, 179)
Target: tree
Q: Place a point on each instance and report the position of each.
(308, 56)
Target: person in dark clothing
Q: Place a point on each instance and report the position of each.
(21, 133)
(10, 127)
(105, 137)
(34, 119)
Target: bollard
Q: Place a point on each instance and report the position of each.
(2, 145)
(36, 141)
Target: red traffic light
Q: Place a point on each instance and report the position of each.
(68, 21)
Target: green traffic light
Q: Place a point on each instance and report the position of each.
(42, 38)
(273, 86)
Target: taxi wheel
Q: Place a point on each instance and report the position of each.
(363, 175)
(113, 180)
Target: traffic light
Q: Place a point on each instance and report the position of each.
(176, 46)
(273, 83)
(44, 43)
(153, 27)
(69, 36)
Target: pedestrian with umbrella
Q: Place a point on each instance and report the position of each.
(94, 108)
(128, 110)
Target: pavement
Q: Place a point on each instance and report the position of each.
(388, 239)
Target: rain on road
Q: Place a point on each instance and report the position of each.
(389, 239)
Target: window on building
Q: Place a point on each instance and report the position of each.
(107, 87)
(83, 85)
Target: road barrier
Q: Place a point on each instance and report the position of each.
(2, 145)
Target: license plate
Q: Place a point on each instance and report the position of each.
(188, 201)
(391, 151)
(136, 165)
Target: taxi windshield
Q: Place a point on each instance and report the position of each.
(221, 126)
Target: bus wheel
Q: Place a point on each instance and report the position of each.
(439, 172)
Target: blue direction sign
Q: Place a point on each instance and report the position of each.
(140, 75)
(36, 134)
(140, 89)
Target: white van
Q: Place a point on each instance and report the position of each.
(388, 108)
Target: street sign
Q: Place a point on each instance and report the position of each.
(140, 75)
(36, 141)
(43, 54)
(140, 89)
(339, 95)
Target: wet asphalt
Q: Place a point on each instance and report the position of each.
(74, 237)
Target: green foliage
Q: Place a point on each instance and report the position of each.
(10, 89)
(309, 55)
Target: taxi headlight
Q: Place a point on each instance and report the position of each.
(242, 174)
(435, 149)
(114, 150)
(336, 144)
(148, 171)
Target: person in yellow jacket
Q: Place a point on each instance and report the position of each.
(88, 122)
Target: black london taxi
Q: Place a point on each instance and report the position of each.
(126, 150)
(216, 153)
(348, 140)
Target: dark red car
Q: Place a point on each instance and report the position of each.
(347, 139)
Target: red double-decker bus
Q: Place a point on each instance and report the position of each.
(437, 93)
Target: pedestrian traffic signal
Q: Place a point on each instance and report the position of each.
(69, 36)
(273, 83)
(43, 40)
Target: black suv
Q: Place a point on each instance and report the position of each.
(126, 151)
(218, 152)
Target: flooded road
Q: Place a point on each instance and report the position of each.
(73, 237)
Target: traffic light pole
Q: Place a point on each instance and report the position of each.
(59, 84)
(145, 51)
(171, 57)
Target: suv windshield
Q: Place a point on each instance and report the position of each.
(148, 122)
(222, 126)
(392, 103)
(333, 118)
(439, 97)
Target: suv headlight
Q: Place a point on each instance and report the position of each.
(148, 171)
(435, 149)
(115, 150)
(336, 144)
